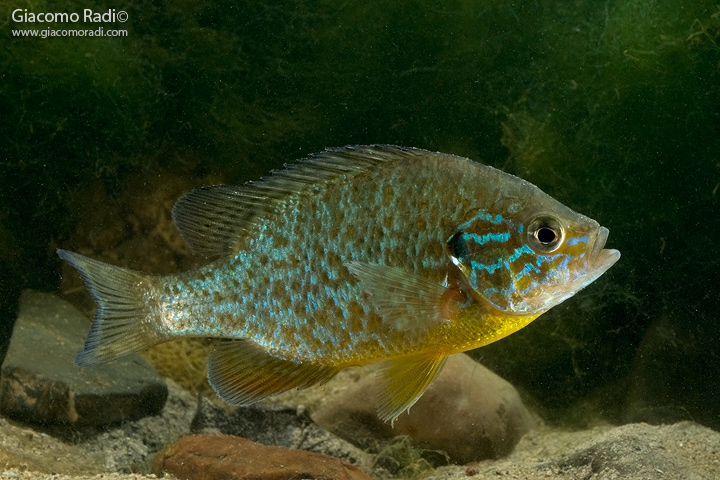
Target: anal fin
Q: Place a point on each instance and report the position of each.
(242, 373)
(405, 379)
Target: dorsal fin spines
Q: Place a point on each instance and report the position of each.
(212, 219)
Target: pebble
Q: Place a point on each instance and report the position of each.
(39, 382)
(468, 412)
(227, 457)
(278, 426)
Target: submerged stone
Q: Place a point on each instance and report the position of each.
(228, 457)
(277, 426)
(40, 383)
(468, 412)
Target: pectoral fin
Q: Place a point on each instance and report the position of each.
(404, 298)
(241, 373)
(404, 381)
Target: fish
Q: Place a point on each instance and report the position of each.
(351, 256)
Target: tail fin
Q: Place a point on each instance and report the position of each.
(125, 321)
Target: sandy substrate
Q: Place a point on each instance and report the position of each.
(636, 451)
(684, 451)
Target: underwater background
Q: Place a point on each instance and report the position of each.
(613, 108)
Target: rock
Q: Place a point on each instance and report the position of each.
(628, 452)
(39, 382)
(68, 450)
(683, 451)
(468, 412)
(226, 457)
(277, 426)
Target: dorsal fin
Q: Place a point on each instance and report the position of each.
(212, 219)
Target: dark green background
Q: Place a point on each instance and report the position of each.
(611, 107)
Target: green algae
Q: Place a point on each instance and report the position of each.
(403, 459)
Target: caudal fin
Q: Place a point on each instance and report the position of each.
(124, 321)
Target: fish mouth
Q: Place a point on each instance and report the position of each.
(602, 259)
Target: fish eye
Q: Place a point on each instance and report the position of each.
(545, 234)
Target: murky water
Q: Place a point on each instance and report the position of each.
(613, 109)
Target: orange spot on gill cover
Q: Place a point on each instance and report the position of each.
(450, 302)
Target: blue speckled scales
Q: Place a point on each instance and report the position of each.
(300, 233)
(212, 219)
(286, 285)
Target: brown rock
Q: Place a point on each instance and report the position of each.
(468, 412)
(277, 426)
(226, 457)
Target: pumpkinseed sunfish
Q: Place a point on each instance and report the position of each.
(351, 256)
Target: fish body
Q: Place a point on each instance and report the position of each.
(351, 256)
